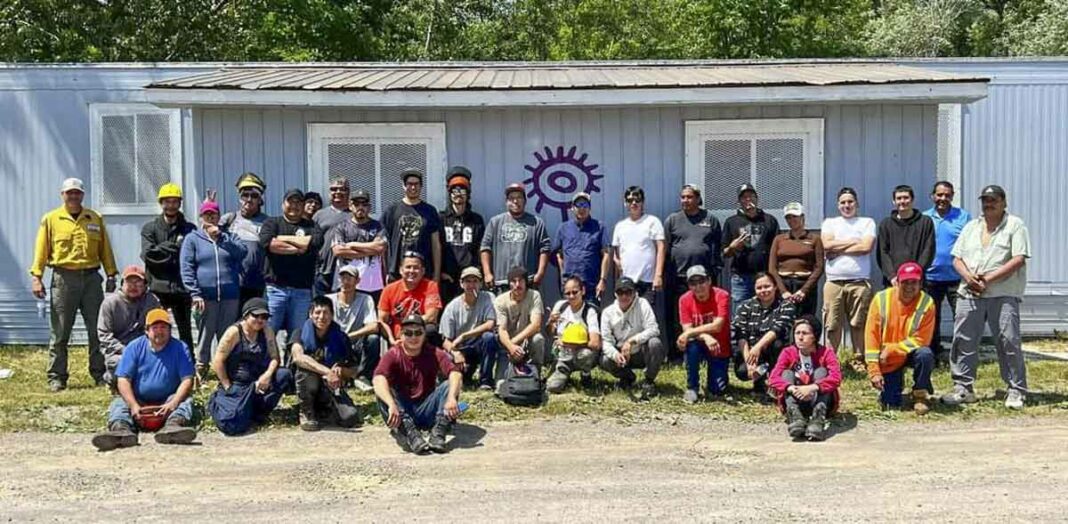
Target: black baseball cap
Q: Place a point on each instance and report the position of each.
(625, 284)
(992, 191)
(746, 187)
(360, 194)
(294, 193)
(413, 320)
(255, 306)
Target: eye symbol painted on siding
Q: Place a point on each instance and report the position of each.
(558, 176)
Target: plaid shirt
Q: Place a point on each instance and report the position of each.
(753, 320)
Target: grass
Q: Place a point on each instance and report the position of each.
(26, 404)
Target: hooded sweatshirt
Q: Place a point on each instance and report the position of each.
(122, 320)
(905, 240)
(211, 270)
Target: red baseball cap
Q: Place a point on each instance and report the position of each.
(909, 271)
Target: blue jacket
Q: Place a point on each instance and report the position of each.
(210, 270)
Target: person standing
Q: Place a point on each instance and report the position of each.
(942, 279)
(292, 243)
(161, 241)
(358, 242)
(211, 268)
(514, 238)
(905, 236)
(463, 233)
(339, 209)
(796, 261)
(639, 246)
(693, 238)
(582, 249)
(747, 238)
(991, 258)
(847, 244)
(413, 225)
(246, 224)
(73, 241)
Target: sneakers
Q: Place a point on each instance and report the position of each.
(412, 437)
(959, 395)
(176, 431)
(919, 402)
(795, 421)
(646, 390)
(119, 435)
(557, 382)
(1014, 399)
(690, 397)
(363, 385)
(442, 426)
(814, 430)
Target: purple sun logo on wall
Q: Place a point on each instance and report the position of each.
(558, 176)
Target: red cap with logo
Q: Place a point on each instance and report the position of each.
(909, 271)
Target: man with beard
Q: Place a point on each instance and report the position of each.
(747, 238)
(359, 242)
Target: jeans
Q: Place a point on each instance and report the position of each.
(922, 362)
(288, 307)
(742, 289)
(482, 351)
(697, 352)
(213, 322)
(369, 349)
(938, 292)
(119, 411)
(324, 284)
(425, 412)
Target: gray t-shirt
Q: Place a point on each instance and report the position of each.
(514, 242)
(354, 316)
(458, 318)
(330, 216)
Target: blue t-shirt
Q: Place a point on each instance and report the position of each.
(155, 374)
(947, 230)
(582, 246)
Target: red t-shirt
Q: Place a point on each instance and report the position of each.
(398, 301)
(696, 313)
(414, 377)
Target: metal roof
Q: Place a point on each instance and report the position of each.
(439, 77)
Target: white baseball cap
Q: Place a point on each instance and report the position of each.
(793, 208)
(72, 184)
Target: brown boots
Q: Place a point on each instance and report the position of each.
(920, 402)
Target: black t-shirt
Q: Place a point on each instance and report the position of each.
(408, 228)
(694, 240)
(462, 240)
(752, 258)
(296, 271)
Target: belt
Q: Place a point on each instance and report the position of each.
(88, 270)
(852, 281)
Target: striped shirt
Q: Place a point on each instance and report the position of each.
(753, 320)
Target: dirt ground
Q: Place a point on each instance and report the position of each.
(574, 469)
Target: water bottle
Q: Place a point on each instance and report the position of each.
(41, 308)
(462, 406)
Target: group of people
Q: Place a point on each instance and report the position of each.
(417, 304)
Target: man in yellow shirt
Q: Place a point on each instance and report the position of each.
(898, 334)
(73, 242)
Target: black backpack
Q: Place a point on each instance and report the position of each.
(522, 389)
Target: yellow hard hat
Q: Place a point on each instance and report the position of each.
(575, 333)
(169, 190)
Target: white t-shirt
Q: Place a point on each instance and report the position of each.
(849, 267)
(636, 241)
(569, 316)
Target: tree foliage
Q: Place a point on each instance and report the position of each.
(401, 30)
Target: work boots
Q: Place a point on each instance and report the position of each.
(795, 420)
(814, 431)
(118, 435)
(176, 431)
(308, 420)
(442, 426)
(411, 435)
(920, 400)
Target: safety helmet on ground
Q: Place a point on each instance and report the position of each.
(169, 190)
(575, 333)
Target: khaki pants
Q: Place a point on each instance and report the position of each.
(74, 290)
(845, 301)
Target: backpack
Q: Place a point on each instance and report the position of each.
(522, 388)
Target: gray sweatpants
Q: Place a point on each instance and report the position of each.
(1002, 315)
(217, 316)
(649, 355)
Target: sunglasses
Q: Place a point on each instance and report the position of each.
(250, 195)
(458, 191)
(413, 332)
(571, 293)
(634, 201)
(582, 204)
(338, 189)
(624, 292)
(263, 317)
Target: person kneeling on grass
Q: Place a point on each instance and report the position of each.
(409, 395)
(897, 335)
(631, 339)
(704, 312)
(154, 379)
(806, 379)
(761, 328)
(323, 358)
(578, 336)
(246, 362)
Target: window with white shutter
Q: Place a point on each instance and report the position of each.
(372, 157)
(782, 158)
(135, 149)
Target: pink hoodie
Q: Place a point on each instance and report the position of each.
(823, 357)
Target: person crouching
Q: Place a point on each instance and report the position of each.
(806, 378)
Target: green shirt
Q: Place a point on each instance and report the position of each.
(1009, 240)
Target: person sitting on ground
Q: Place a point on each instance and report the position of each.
(121, 318)
(354, 311)
(322, 356)
(704, 313)
(154, 379)
(898, 334)
(412, 294)
(409, 395)
(761, 328)
(806, 378)
(631, 339)
(578, 336)
(467, 327)
(250, 381)
(519, 317)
